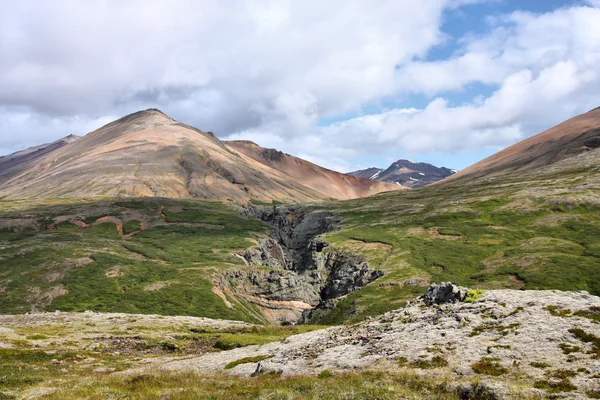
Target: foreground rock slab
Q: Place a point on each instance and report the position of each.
(513, 342)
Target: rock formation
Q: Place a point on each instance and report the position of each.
(304, 274)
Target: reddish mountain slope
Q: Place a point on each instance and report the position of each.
(570, 138)
(333, 184)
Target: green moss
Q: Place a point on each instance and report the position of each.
(592, 313)
(558, 311)
(434, 362)
(553, 386)
(568, 349)
(588, 338)
(325, 374)
(473, 295)
(131, 226)
(247, 360)
(500, 329)
(36, 337)
(541, 365)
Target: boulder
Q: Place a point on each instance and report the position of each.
(445, 292)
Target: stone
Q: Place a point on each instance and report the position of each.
(446, 292)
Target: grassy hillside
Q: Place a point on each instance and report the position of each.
(539, 230)
(72, 257)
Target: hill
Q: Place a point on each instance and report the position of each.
(334, 184)
(406, 173)
(150, 154)
(568, 139)
(13, 164)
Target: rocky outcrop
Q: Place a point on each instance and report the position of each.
(506, 344)
(446, 292)
(302, 267)
(268, 253)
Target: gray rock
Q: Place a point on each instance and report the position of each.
(446, 292)
(306, 269)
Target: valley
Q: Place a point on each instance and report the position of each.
(169, 297)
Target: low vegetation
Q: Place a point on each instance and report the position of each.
(359, 385)
(489, 366)
(246, 360)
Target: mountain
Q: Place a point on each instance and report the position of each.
(333, 184)
(575, 136)
(368, 173)
(150, 154)
(406, 173)
(14, 163)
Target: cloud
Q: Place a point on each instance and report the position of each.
(545, 69)
(273, 71)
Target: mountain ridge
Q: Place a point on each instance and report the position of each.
(334, 184)
(572, 137)
(148, 153)
(406, 173)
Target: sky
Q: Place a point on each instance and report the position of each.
(347, 84)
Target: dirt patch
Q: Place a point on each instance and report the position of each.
(417, 231)
(4, 284)
(113, 272)
(553, 220)
(156, 286)
(19, 224)
(53, 276)
(489, 241)
(79, 262)
(434, 233)
(519, 204)
(39, 300)
(370, 246)
(220, 293)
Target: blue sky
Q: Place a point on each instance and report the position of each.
(346, 84)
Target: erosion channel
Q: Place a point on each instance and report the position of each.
(301, 275)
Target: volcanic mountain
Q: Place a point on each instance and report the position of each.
(150, 154)
(575, 136)
(406, 173)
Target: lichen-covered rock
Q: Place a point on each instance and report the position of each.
(506, 344)
(445, 292)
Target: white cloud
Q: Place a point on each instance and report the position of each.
(270, 71)
(545, 67)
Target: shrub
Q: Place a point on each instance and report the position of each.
(489, 366)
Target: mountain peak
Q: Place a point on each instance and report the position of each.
(406, 173)
(153, 114)
(150, 116)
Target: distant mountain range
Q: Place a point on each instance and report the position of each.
(147, 153)
(406, 173)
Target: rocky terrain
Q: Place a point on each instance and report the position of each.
(304, 276)
(406, 173)
(514, 343)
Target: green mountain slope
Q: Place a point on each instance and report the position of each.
(539, 230)
(94, 256)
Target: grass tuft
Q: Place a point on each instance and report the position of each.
(247, 360)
